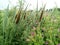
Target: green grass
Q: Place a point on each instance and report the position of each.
(29, 31)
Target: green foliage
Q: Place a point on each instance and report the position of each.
(29, 31)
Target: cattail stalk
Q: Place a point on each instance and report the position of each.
(25, 12)
(25, 16)
(17, 17)
(42, 13)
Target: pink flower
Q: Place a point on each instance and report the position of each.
(58, 44)
(33, 34)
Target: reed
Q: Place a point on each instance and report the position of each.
(25, 27)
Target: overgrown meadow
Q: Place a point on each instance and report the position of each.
(29, 27)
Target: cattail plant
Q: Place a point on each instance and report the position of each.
(17, 17)
(25, 12)
(29, 31)
(42, 12)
